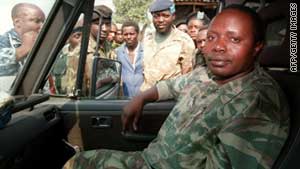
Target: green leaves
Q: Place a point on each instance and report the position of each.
(131, 9)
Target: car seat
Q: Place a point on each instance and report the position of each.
(289, 155)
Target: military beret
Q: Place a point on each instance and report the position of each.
(160, 5)
(103, 10)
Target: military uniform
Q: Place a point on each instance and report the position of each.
(115, 45)
(168, 56)
(107, 70)
(241, 124)
(104, 52)
(66, 65)
(65, 70)
(69, 79)
(199, 59)
(167, 59)
(9, 66)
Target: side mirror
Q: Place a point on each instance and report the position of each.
(106, 75)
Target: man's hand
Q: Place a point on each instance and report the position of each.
(133, 110)
(28, 39)
(131, 113)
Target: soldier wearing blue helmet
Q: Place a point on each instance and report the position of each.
(168, 52)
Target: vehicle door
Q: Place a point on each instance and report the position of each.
(93, 120)
(34, 132)
(80, 119)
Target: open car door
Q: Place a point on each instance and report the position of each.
(44, 126)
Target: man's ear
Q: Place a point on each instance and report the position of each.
(173, 16)
(16, 22)
(257, 48)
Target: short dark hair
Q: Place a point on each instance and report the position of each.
(203, 28)
(131, 23)
(180, 22)
(193, 16)
(258, 23)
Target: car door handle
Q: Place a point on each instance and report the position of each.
(101, 121)
(138, 136)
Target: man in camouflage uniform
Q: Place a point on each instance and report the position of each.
(168, 52)
(104, 48)
(234, 116)
(199, 59)
(65, 67)
(118, 41)
(16, 43)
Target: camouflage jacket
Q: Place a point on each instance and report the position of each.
(115, 45)
(8, 44)
(241, 124)
(65, 71)
(105, 52)
(167, 59)
(199, 59)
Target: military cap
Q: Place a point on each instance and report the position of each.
(78, 26)
(103, 10)
(179, 22)
(160, 5)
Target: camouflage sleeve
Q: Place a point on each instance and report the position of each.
(198, 59)
(106, 159)
(88, 66)
(112, 55)
(7, 61)
(7, 55)
(108, 72)
(250, 140)
(171, 88)
(115, 76)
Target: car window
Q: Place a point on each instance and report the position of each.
(21, 23)
(62, 78)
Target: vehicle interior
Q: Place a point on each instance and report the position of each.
(45, 130)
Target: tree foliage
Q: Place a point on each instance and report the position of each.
(131, 9)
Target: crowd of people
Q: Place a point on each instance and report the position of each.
(229, 112)
(163, 54)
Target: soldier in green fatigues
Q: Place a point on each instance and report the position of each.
(200, 43)
(233, 115)
(168, 52)
(104, 50)
(64, 69)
